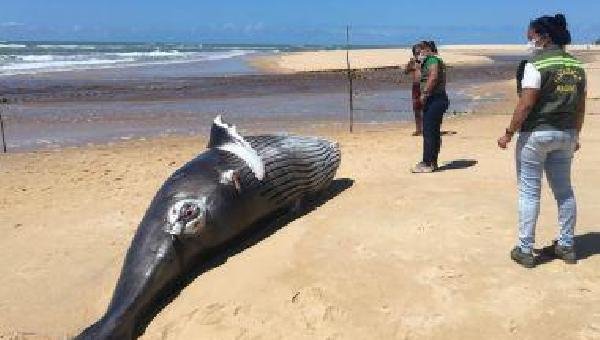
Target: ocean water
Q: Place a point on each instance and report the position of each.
(35, 57)
(26, 58)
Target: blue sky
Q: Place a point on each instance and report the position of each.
(295, 22)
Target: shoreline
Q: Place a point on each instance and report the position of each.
(57, 112)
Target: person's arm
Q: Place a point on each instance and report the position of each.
(410, 66)
(528, 98)
(530, 94)
(432, 79)
(580, 112)
(416, 75)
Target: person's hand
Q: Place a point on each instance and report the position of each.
(423, 100)
(577, 146)
(503, 141)
(410, 66)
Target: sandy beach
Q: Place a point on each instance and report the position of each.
(392, 256)
(453, 55)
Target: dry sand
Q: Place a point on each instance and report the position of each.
(360, 59)
(453, 55)
(396, 256)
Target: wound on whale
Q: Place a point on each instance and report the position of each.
(214, 198)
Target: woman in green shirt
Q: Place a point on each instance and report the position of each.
(435, 103)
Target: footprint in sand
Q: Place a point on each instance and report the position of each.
(364, 252)
(315, 308)
(227, 319)
(444, 282)
(591, 332)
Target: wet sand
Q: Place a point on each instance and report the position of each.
(66, 110)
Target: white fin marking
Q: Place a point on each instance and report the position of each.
(241, 148)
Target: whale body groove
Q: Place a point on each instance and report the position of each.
(208, 202)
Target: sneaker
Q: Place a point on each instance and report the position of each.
(422, 168)
(566, 254)
(417, 133)
(524, 259)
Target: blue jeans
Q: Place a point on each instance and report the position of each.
(552, 152)
(433, 114)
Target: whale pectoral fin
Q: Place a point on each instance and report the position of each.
(231, 177)
(225, 137)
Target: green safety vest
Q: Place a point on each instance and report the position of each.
(563, 85)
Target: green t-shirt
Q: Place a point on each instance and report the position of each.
(440, 87)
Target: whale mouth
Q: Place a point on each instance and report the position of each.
(186, 217)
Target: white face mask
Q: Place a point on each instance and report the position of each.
(532, 47)
(421, 57)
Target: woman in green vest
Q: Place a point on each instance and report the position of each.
(549, 118)
(435, 103)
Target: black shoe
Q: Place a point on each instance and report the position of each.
(524, 259)
(566, 254)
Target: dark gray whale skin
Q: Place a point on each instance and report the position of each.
(295, 167)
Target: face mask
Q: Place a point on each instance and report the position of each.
(421, 57)
(532, 47)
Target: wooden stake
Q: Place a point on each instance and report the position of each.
(3, 102)
(350, 90)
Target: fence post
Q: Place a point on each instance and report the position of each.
(349, 71)
(3, 106)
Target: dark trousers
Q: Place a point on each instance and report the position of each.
(433, 113)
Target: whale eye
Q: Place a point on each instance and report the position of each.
(186, 217)
(188, 212)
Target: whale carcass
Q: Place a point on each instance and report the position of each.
(208, 202)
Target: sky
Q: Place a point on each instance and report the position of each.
(320, 22)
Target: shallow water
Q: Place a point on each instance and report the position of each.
(73, 108)
(60, 124)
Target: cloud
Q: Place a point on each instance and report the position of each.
(11, 24)
(255, 27)
(229, 26)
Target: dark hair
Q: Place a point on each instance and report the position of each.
(555, 27)
(414, 49)
(429, 44)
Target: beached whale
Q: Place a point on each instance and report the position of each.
(206, 203)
